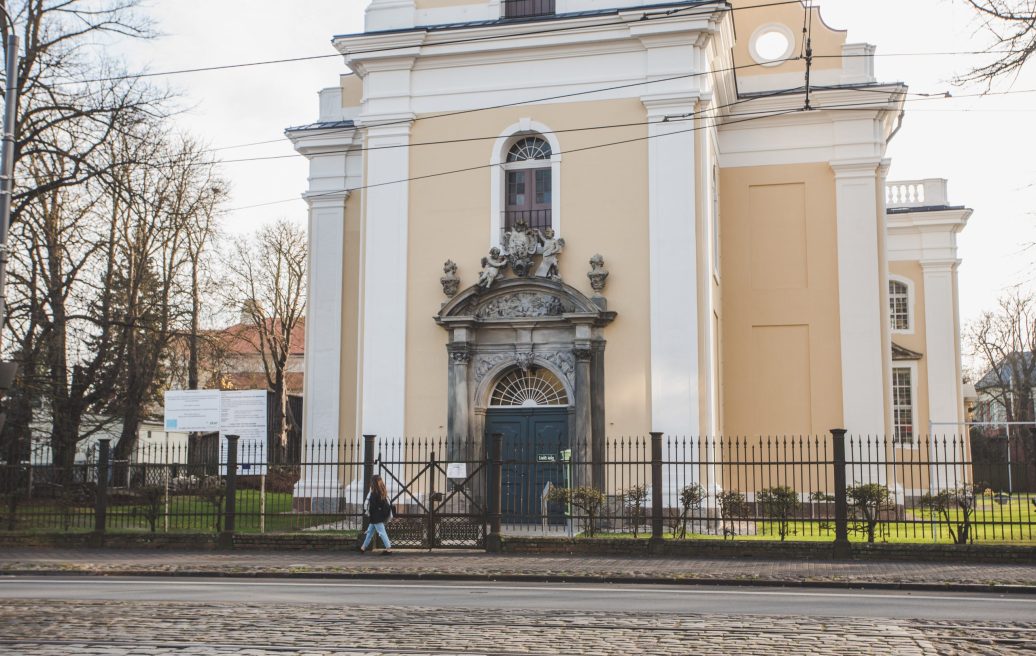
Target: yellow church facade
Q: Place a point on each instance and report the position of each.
(595, 218)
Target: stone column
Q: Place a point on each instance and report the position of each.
(598, 431)
(583, 452)
(458, 441)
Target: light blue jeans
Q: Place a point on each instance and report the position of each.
(382, 534)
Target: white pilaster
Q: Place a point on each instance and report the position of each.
(862, 318)
(384, 280)
(322, 407)
(673, 270)
(945, 401)
(390, 15)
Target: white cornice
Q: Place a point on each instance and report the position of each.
(490, 43)
(948, 265)
(326, 199)
(952, 220)
(311, 143)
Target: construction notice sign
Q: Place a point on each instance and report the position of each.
(192, 411)
(243, 413)
(235, 412)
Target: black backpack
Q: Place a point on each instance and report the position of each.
(379, 510)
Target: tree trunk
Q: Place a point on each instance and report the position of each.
(279, 429)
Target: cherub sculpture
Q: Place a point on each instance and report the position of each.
(491, 266)
(550, 249)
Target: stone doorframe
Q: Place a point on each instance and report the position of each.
(525, 322)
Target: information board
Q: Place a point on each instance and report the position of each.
(233, 412)
(192, 411)
(243, 413)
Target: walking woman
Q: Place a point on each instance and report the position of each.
(379, 511)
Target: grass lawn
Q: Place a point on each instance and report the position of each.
(186, 514)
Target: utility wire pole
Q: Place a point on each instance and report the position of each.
(7, 167)
(7, 369)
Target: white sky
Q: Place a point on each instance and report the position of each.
(983, 146)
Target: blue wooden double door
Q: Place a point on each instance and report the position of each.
(534, 452)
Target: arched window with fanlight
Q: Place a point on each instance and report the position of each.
(528, 183)
(532, 387)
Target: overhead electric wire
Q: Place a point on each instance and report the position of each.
(426, 29)
(751, 116)
(778, 93)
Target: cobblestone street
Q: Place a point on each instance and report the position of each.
(50, 628)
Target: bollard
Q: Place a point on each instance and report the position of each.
(226, 538)
(494, 541)
(841, 545)
(656, 487)
(101, 508)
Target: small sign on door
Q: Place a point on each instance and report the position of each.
(546, 457)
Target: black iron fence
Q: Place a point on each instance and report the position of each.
(817, 488)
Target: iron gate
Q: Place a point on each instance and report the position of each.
(439, 504)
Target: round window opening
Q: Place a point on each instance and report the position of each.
(772, 45)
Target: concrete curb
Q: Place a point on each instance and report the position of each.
(540, 578)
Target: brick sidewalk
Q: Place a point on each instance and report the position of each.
(469, 565)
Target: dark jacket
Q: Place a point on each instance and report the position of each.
(379, 510)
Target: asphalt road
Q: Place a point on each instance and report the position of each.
(538, 597)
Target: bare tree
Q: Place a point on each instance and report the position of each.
(1012, 24)
(72, 101)
(165, 206)
(1004, 343)
(268, 284)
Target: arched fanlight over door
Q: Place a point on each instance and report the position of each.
(534, 387)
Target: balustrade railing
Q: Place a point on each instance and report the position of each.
(930, 192)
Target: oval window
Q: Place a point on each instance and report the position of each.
(772, 44)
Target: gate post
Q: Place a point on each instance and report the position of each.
(493, 540)
(430, 528)
(101, 506)
(368, 473)
(226, 538)
(841, 545)
(656, 488)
